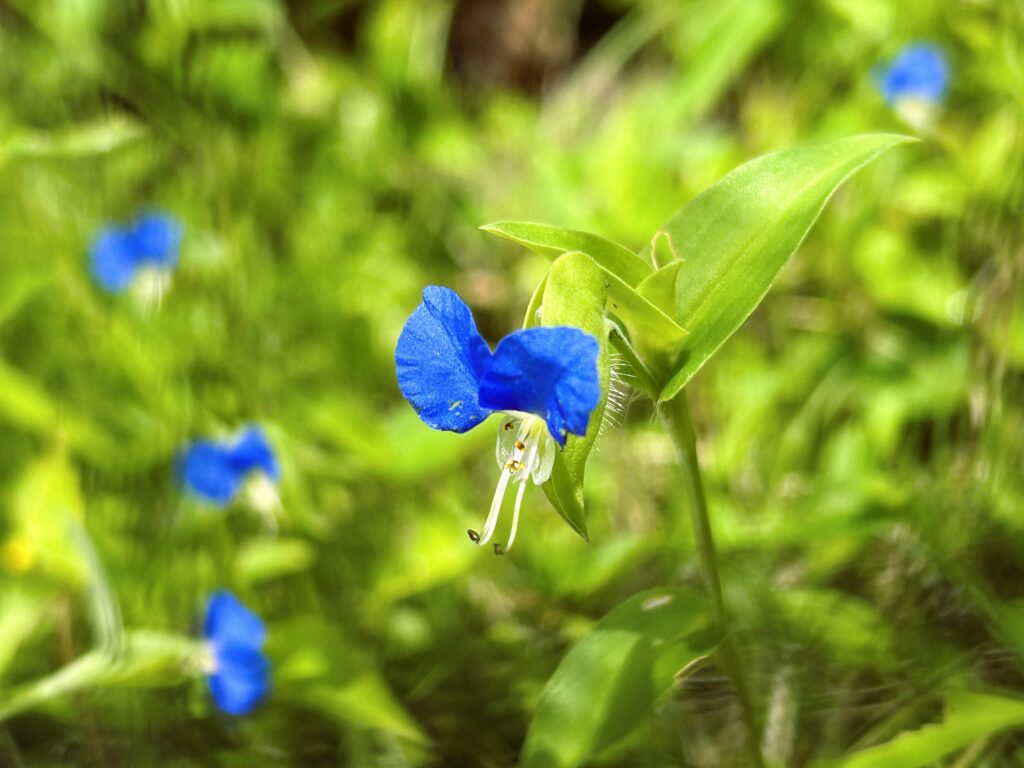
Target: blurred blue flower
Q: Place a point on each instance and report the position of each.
(216, 471)
(545, 379)
(919, 73)
(119, 254)
(238, 671)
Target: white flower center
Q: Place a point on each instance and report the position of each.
(149, 286)
(525, 450)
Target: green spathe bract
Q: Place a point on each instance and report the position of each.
(575, 294)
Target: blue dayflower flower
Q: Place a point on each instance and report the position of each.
(544, 379)
(149, 245)
(919, 73)
(217, 470)
(238, 672)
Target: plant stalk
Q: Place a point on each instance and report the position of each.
(675, 415)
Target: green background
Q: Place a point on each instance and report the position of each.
(862, 435)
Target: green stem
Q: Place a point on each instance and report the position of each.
(675, 415)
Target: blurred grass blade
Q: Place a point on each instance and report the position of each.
(971, 717)
(104, 611)
(554, 241)
(575, 295)
(24, 403)
(86, 140)
(717, 41)
(736, 236)
(150, 659)
(606, 686)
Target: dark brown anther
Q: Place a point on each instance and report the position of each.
(520, 445)
(473, 535)
(508, 425)
(498, 549)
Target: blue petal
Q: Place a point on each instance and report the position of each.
(113, 259)
(229, 623)
(156, 238)
(209, 470)
(919, 71)
(241, 678)
(549, 372)
(440, 359)
(253, 451)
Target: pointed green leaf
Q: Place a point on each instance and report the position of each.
(575, 294)
(605, 688)
(554, 241)
(736, 236)
(656, 336)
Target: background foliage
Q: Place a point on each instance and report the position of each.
(862, 435)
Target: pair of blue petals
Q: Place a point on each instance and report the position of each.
(216, 471)
(453, 380)
(919, 72)
(240, 678)
(118, 253)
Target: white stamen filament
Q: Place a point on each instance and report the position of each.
(492, 516)
(515, 514)
(521, 461)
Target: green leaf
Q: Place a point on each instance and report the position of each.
(653, 332)
(970, 717)
(85, 140)
(318, 667)
(575, 294)
(268, 558)
(606, 686)
(736, 236)
(554, 241)
(45, 507)
(659, 288)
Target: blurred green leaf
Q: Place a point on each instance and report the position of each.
(606, 686)
(575, 295)
(266, 559)
(317, 667)
(969, 718)
(45, 508)
(852, 630)
(20, 614)
(26, 404)
(736, 236)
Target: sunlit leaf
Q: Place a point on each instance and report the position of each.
(554, 241)
(607, 685)
(735, 237)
